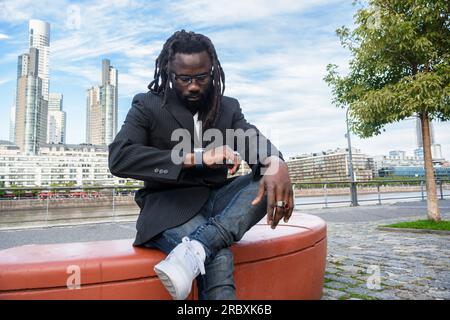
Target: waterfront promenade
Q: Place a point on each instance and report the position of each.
(362, 263)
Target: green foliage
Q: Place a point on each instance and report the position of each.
(400, 64)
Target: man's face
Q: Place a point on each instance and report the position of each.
(191, 78)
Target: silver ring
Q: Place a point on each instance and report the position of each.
(281, 204)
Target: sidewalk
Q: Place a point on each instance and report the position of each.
(409, 265)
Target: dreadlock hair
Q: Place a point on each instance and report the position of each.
(189, 42)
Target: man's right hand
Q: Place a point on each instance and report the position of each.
(222, 156)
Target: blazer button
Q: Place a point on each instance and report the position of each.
(166, 171)
(156, 170)
(161, 171)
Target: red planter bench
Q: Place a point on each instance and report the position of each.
(285, 263)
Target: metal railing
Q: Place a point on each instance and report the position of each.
(22, 206)
(442, 186)
(108, 203)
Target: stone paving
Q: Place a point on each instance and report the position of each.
(409, 265)
(366, 263)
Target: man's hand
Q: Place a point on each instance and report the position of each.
(222, 156)
(279, 188)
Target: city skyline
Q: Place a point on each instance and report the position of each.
(294, 40)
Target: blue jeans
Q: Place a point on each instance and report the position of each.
(225, 217)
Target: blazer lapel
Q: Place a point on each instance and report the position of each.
(180, 113)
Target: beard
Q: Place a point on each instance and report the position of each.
(202, 105)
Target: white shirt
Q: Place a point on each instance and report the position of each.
(197, 124)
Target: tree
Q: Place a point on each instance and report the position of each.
(400, 67)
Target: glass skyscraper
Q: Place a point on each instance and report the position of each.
(31, 107)
(101, 107)
(56, 125)
(39, 38)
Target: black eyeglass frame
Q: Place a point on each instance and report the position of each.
(186, 80)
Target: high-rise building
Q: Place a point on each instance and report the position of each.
(56, 125)
(39, 38)
(31, 107)
(109, 98)
(22, 65)
(94, 128)
(12, 123)
(436, 153)
(419, 133)
(22, 70)
(399, 154)
(418, 153)
(101, 107)
(30, 128)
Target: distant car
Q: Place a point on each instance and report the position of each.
(78, 194)
(9, 196)
(46, 194)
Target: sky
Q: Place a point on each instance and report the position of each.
(274, 55)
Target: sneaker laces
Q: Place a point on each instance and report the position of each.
(197, 261)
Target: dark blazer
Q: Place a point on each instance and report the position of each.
(142, 150)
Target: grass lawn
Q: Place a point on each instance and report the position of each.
(422, 224)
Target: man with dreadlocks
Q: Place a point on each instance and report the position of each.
(190, 209)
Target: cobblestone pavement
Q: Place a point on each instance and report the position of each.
(366, 263)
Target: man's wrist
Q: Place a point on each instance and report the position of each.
(267, 161)
(198, 158)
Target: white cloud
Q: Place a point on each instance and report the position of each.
(5, 80)
(106, 30)
(223, 12)
(3, 36)
(144, 51)
(19, 11)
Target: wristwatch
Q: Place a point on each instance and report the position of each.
(198, 157)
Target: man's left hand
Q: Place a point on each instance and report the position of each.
(279, 188)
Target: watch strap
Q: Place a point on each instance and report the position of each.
(198, 157)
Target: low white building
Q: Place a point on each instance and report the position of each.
(330, 165)
(383, 160)
(80, 165)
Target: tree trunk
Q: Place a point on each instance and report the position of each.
(432, 202)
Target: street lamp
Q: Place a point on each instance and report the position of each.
(353, 191)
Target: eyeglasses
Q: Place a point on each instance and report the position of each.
(187, 80)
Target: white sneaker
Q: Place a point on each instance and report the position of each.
(181, 267)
